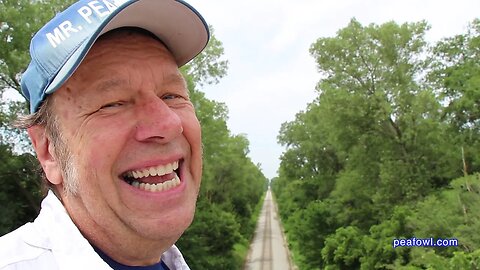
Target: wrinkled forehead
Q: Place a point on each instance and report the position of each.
(122, 52)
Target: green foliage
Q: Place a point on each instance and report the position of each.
(208, 243)
(459, 220)
(343, 249)
(207, 67)
(427, 259)
(379, 253)
(308, 229)
(20, 194)
(456, 76)
(380, 153)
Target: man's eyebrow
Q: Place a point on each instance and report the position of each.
(175, 78)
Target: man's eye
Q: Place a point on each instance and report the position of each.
(112, 105)
(171, 96)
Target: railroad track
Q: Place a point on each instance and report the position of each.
(267, 257)
(268, 250)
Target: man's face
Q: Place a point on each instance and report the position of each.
(126, 118)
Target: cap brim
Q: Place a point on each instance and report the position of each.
(177, 24)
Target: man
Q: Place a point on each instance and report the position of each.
(116, 135)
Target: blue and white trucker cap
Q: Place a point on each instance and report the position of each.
(59, 47)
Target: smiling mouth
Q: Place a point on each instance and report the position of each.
(154, 179)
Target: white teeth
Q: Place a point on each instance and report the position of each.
(154, 171)
(158, 187)
(167, 185)
(161, 170)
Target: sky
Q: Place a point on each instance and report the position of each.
(271, 75)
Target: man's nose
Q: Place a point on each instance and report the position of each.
(157, 122)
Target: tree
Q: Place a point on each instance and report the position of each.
(207, 67)
(377, 150)
(377, 111)
(343, 249)
(455, 73)
(20, 194)
(209, 242)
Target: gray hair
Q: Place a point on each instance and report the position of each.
(46, 118)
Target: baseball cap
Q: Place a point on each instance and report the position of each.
(59, 47)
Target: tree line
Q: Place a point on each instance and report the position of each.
(232, 185)
(389, 149)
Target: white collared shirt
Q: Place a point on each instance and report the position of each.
(53, 242)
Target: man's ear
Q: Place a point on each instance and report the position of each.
(45, 153)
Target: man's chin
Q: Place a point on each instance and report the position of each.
(164, 230)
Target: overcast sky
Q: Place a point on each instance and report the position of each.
(271, 75)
